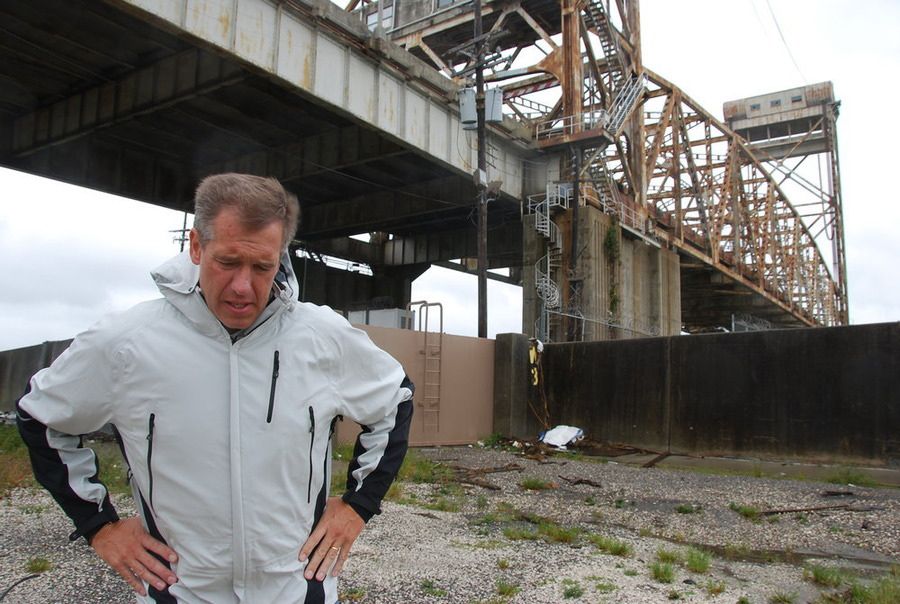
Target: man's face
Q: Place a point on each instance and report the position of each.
(237, 267)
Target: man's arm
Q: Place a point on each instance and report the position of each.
(71, 398)
(376, 394)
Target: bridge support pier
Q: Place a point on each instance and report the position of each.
(619, 286)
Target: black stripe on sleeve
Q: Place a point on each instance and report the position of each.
(367, 500)
(52, 473)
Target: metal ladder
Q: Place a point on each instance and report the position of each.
(430, 402)
(597, 20)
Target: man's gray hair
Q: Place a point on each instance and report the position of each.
(258, 200)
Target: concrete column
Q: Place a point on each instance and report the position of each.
(512, 417)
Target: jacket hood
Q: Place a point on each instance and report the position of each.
(178, 281)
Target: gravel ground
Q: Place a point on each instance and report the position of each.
(415, 554)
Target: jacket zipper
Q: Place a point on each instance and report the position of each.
(334, 421)
(150, 454)
(272, 391)
(312, 439)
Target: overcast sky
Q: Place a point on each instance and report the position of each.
(69, 255)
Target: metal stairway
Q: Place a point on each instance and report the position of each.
(625, 102)
(597, 20)
(558, 196)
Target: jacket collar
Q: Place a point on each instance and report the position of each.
(178, 281)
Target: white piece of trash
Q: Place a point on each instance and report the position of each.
(560, 436)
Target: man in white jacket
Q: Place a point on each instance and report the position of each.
(224, 395)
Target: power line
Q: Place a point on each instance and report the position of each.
(786, 47)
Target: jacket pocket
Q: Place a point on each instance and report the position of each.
(272, 390)
(312, 441)
(150, 427)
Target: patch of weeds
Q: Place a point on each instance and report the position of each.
(620, 503)
(801, 519)
(697, 561)
(589, 500)
(503, 564)
(494, 441)
(674, 594)
(417, 468)
(743, 600)
(430, 588)
(823, 575)
(645, 532)
(662, 572)
(668, 556)
(113, 469)
(604, 587)
(687, 508)
(630, 572)
(747, 511)
(33, 508)
(850, 476)
(572, 589)
(481, 502)
(15, 467)
(514, 533)
(506, 589)
(394, 493)
(782, 598)
(535, 484)
(885, 590)
(38, 565)
(558, 534)
(714, 588)
(354, 594)
(773, 519)
(609, 545)
(443, 504)
(736, 552)
(487, 544)
(342, 451)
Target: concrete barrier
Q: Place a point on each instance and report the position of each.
(827, 394)
(19, 364)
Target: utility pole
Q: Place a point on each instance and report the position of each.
(482, 175)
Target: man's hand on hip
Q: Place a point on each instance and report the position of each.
(129, 549)
(331, 540)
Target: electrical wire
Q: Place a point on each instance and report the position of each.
(786, 47)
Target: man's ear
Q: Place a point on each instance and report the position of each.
(195, 247)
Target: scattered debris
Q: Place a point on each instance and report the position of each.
(820, 508)
(581, 481)
(656, 460)
(838, 494)
(560, 436)
(473, 476)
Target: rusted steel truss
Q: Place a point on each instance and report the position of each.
(668, 169)
(709, 196)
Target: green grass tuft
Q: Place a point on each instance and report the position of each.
(506, 589)
(823, 575)
(697, 561)
(572, 589)
(38, 565)
(662, 572)
(668, 556)
(535, 484)
(430, 588)
(611, 546)
(747, 511)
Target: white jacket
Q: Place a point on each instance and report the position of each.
(228, 440)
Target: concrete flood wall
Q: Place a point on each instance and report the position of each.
(19, 364)
(828, 394)
(466, 382)
(466, 385)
